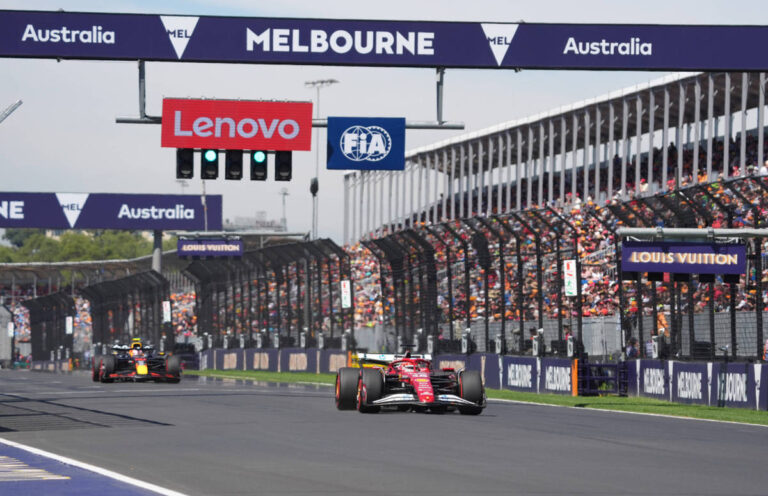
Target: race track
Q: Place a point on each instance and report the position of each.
(224, 438)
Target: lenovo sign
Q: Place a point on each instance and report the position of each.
(236, 125)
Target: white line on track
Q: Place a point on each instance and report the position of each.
(582, 409)
(93, 468)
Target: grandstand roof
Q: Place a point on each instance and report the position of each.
(630, 94)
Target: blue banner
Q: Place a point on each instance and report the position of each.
(109, 211)
(683, 258)
(209, 248)
(366, 143)
(261, 359)
(520, 373)
(738, 384)
(381, 43)
(690, 383)
(556, 376)
(652, 379)
(332, 360)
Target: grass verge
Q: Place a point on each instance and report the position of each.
(631, 404)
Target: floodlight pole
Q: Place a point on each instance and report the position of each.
(11, 108)
(318, 84)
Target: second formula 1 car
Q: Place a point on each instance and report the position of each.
(408, 383)
(137, 363)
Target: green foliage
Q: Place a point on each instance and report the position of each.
(32, 245)
(17, 237)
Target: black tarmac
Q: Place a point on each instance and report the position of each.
(214, 437)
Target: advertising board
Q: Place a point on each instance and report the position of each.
(109, 211)
(260, 40)
(366, 143)
(236, 124)
(209, 247)
(683, 258)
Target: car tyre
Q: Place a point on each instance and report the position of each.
(108, 363)
(471, 389)
(173, 366)
(346, 388)
(370, 389)
(95, 368)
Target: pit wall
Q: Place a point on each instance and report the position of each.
(679, 382)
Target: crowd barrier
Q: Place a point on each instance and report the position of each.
(700, 383)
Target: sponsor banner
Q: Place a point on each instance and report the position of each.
(488, 365)
(236, 124)
(232, 359)
(261, 359)
(569, 277)
(455, 362)
(380, 43)
(209, 248)
(346, 294)
(332, 360)
(366, 143)
(555, 376)
(109, 211)
(206, 358)
(683, 258)
(739, 382)
(298, 360)
(519, 373)
(652, 378)
(690, 383)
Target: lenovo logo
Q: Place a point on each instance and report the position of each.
(236, 125)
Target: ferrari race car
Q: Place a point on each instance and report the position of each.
(407, 383)
(136, 363)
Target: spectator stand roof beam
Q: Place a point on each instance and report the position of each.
(438, 238)
(502, 221)
(480, 244)
(533, 233)
(396, 256)
(345, 272)
(465, 251)
(47, 318)
(502, 242)
(426, 253)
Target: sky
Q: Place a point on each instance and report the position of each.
(64, 137)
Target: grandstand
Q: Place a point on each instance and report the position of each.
(474, 231)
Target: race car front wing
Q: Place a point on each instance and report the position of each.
(412, 399)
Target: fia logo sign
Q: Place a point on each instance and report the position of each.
(179, 31)
(361, 143)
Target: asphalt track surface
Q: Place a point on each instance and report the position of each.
(232, 437)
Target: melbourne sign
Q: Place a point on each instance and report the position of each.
(260, 40)
(109, 211)
(683, 258)
(366, 143)
(236, 125)
(209, 248)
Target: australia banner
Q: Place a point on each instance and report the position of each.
(260, 40)
(683, 258)
(110, 211)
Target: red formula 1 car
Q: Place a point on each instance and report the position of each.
(137, 363)
(408, 383)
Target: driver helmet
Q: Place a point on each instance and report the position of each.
(136, 344)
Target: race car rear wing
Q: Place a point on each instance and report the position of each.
(387, 358)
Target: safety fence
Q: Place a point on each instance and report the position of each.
(505, 276)
(51, 334)
(130, 307)
(282, 290)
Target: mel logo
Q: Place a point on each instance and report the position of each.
(179, 31)
(359, 143)
(72, 205)
(499, 38)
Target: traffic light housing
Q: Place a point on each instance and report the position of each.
(283, 165)
(185, 163)
(209, 164)
(258, 160)
(233, 164)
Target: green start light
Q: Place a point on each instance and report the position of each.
(259, 157)
(210, 155)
